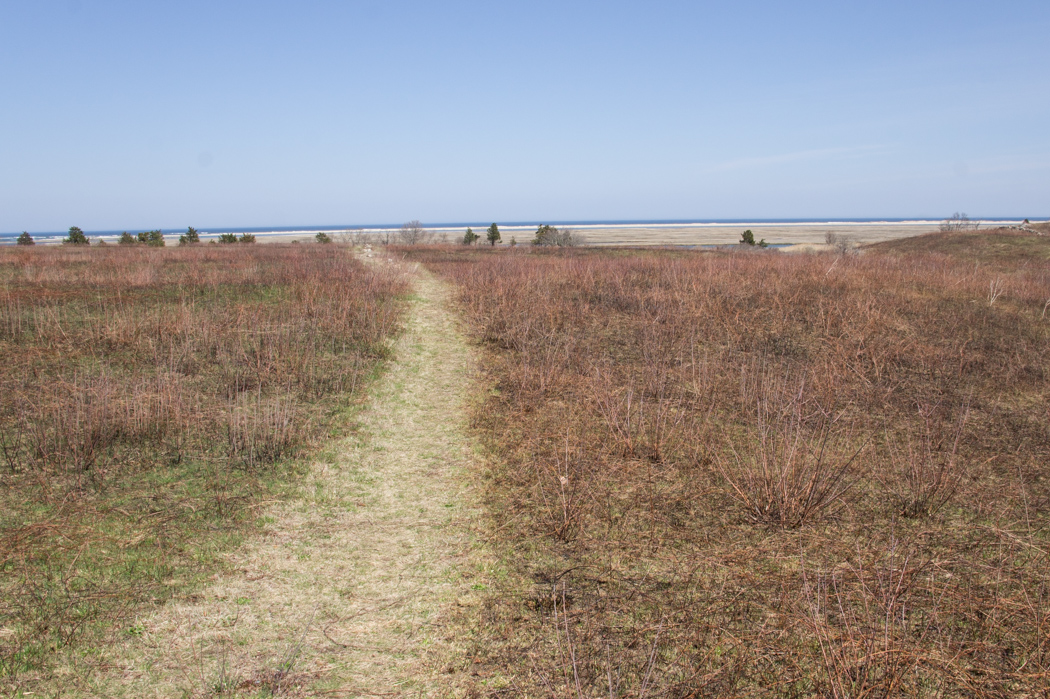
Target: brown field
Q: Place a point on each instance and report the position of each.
(151, 401)
(706, 473)
(754, 474)
(996, 246)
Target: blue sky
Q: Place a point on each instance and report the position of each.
(226, 113)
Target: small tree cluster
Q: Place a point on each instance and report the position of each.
(413, 233)
(190, 237)
(748, 238)
(26, 239)
(550, 236)
(154, 239)
(958, 222)
(322, 238)
(228, 238)
(470, 237)
(76, 237)
(839, 243)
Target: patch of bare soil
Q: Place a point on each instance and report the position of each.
(350, 591)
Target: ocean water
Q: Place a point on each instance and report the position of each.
(510, 227)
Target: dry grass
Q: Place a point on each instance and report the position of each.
(752, 474)
(348, 590)
(1007, 246)
(149, 401)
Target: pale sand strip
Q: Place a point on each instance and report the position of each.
(728, 235)
(347, 592)
(686, 235)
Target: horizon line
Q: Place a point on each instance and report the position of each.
(591, 223)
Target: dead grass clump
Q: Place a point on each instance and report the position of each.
(862, 617)
(925, 472)
(75, 434)
(792, 465)
(263, 431)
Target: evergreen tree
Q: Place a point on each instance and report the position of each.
(76, 237)
(154, 239)
(322, 237)
(190, 237)
(748, 238)
(493, 234)
(247, 238)
(226, 238)
(470, 237)
(552, 237)
(127, 239)
(26, 239)
(545, 235)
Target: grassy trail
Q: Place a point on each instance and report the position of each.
(349, 590)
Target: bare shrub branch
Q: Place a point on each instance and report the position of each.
(925, 472)
(795, 464)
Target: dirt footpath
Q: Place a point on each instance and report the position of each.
(347, 592)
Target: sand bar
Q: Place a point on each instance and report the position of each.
(689, 235)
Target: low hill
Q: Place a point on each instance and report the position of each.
(1000, 244)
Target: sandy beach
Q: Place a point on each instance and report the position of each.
(774, 234)
(688, 235)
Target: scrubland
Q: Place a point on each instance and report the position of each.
(151, 402)
(1008, 246)
(758, 474)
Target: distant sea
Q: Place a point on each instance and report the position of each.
(511, 226)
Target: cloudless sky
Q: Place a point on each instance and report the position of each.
(131, 114)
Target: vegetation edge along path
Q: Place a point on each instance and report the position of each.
(349, 590)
